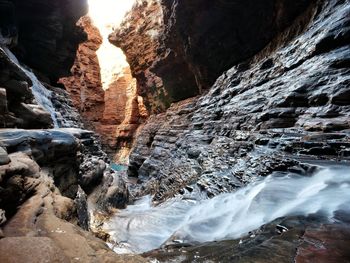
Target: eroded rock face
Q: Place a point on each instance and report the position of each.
(39, 223)
(84, 85)
(123, 114)
(43, 36)
(47, 35)
(114, 113)
(280, 111)
(177, 49)
(18, 105)
(138, 36)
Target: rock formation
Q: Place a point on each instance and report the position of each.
(262, 113)
(47, 175)
(39, 178)
(84, 85)
(48, 40)
(114, 113)
(177, 50)
(238, 90)
(19, 107)
(283, 106)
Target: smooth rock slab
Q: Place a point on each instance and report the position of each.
(37, 249)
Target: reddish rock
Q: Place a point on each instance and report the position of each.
(114, 113)
(84, 86)
(123, 113)
(177, 49)
(325, 245)
(138, 37)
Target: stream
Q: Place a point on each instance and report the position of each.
(142, 227)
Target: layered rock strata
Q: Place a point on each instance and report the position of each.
(114, 113)
(284, 109)
(19, 108)
(177, 50)
(84, 84)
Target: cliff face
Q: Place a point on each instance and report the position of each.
(176, 49)
(284, 110)
(277, 111)
(138, 36)
(124, 111)
(45, 174)
(48, 40)
(84, 85)
(114, 113)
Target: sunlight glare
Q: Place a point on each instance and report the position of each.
(107, 15)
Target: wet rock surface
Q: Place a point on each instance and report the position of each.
(278, 111)
(176, 49)
(312, 239)
(271, 114)
(42, 172)
(19, 107)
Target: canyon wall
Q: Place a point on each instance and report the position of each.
(48, 40)
(284, 110)
(84, 84)
(177, 50)
(114, 112)
(277, 111)
(46, 174)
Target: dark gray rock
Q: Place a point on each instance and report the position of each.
(82, 209)
(18, 88)
(258, 117)
(3, 102)
(47, 44)
(4, 158)
(2, 217)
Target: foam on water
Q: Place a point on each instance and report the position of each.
(142, 227)
(40, 93)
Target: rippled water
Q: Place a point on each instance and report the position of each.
(141, 227)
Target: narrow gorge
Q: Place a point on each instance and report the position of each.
(174, 131)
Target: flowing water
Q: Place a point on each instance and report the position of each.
(142, 227)
(40, 93)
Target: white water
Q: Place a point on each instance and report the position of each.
(141, 227)
(40, 93)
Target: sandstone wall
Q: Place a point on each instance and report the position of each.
(84, 85)
(114, 113)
